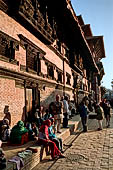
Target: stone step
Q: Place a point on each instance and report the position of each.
(31, 161)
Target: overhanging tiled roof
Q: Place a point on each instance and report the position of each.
(98, 45)
(85, 43)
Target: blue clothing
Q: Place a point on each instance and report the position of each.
(51, 134)
(47, 116)
(83, 114)
(83, 111)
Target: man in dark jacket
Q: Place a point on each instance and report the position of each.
(83, 110)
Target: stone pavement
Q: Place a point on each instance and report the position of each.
(92, 150)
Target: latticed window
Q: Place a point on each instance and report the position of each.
(68, 79)
(37, 63)
(75, 81)
(50, 71)
(60, 77)
(8, 45)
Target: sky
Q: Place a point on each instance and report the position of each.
(99, 14)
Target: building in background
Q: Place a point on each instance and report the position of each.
(45, 49)
(96, 45)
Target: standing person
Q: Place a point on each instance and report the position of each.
(7, 114)
(43, 139)
(57, 114)
(106, 108)
(65, 112)
(100, 115)
(83, 109)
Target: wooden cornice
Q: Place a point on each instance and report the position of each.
(98, 45)
(3, 6)
(28, 42)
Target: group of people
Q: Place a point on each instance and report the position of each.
(61, 110)
(101, 109)
(43, 126)
(47, 138)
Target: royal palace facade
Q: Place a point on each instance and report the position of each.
(45, 49)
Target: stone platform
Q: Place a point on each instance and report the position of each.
(31, 161)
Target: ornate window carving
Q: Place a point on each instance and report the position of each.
(58, 44)
(68, 78)
(36, 14)
(50, 70)
(59, 75)
(67, 53)
(75, 59)
(80, 62)
(8, 45)
(75, 81)
(33, 55)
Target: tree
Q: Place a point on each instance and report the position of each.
(103, 90)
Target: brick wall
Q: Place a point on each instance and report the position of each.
(13, 97)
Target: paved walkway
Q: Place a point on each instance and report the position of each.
(86, 151)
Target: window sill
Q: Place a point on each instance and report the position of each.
(8, 60)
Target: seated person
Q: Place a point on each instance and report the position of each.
(35, 129)
(47, 115)
(2, 157)
(19, 134)
(53, 137)
(5, 130)
(39, 116)
(32, 131)
(43, 139)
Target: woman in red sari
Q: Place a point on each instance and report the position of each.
(43, 139)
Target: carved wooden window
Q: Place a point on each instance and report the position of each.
(50, 71)
(30, 57)
(33, 55)
(68, 79)
(81, 85)
(80, 62)
(67, 53)
(89, 87)
(75, 59)
(33, 60)
(84, 87)
(59, 46)
(8, 45)
(75, 81)
(59, 75)
(37, 63)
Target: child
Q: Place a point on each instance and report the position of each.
(2, 157)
